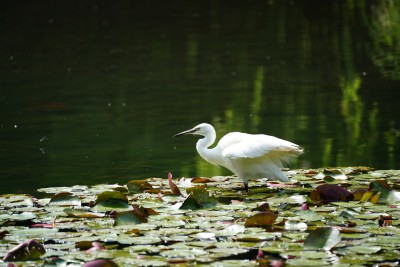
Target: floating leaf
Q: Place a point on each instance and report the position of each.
(359, 193)
(100, 263)
(198, 198)
(175, 190)
(128, 218)
(28, 250)
(322, 238)
(330, 193)
(309, 216)
(370, 196)
(65, 199)
(365, 249)
(261, 219)
(358, 170)
(295, 226)
(190, 203)
(16, 200)
(330, 174)
(386, 194)
(138, 186)
(204, 235)
(24, 216)
(81, 213)
(200, 180)
(110, 195)
(111, 200)
(262, 207)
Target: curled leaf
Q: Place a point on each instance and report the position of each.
(175, 190)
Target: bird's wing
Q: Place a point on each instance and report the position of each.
(254, 146)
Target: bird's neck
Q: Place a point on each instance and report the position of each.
(209, 154)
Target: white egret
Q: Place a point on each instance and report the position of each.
(249, 156)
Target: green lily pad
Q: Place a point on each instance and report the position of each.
(292, 225)
(24, 216)
(309, 216)
(261, 219)
(65, 199)
(14, 201)
(110, 195)
(190, 254)
(83, 213)
(322, 238)
(198, 198)
(365, 249)
(129, 218)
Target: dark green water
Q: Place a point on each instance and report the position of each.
(92, 91)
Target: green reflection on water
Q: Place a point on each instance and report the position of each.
(93, 92)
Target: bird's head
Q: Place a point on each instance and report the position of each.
(202, 129)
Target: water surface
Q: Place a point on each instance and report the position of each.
(92, 91)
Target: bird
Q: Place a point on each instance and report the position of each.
(249, 156)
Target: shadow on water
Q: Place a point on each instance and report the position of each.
(93, 91)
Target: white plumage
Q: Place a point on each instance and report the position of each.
(249, 156)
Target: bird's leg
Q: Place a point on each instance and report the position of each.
(246, 186)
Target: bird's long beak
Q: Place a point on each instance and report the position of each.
(185, 132)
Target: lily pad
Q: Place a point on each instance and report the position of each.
(111, 200)
(322, 238)
(28, 250)
(198, 198)
(100, 263)
(65, 199)
(330, 193)
(129, 218)
(261, 219)
(138, 186)
(83, 213)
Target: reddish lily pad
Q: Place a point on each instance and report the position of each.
(28, 250)
(200, 180)
(100, 263)
(330, 193)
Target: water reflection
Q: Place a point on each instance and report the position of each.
(93, 91)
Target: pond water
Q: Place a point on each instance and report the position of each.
(92, 91)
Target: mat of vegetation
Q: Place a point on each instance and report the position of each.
(323, 217)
